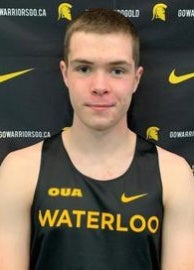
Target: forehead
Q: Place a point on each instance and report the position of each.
(113, 45)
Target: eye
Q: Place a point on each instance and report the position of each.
(83, 69)
(118, 71)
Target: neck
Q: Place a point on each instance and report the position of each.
(101, 155)
(99, 142)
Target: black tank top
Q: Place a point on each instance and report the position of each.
(82, 223)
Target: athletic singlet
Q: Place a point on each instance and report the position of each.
(86, 224)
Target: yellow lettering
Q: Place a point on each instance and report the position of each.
(53, 192)
(65, 192)
(92, 219)
(135, 219)
(64, 219)
(78, 214)
(47, 217)
(118, 224)
(96, 220)
(76, 192)
(151, 222)
(107, 221)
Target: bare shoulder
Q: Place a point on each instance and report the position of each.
(178, 201)
(19, 170)
(171, 161)
(22, 158)
(175, 174)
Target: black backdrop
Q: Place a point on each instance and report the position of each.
(34, 103)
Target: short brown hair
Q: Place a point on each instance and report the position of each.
(102, 21)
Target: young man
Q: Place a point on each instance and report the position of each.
(97, 196)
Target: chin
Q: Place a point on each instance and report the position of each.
(100, 126)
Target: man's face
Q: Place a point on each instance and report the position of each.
(101, 78)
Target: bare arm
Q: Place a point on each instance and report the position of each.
(17, 183)
(178, 226)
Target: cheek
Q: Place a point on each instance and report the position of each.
(125, 90)
(76, 94)
(125, 96)
(74, 82)
(126, 101)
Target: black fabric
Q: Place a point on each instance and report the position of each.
(82, 223)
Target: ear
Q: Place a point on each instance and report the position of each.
(63, 68)
(138, 74)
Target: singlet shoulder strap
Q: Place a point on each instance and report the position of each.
(52, 155)
(52, 142)
(144, 146)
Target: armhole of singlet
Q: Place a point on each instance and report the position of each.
(153, 147)
(160, 176)
(41, 169)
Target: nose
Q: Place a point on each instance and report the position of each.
(100, 84)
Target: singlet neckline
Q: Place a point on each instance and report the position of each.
(86, 177)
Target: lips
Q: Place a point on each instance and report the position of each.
(100, 106)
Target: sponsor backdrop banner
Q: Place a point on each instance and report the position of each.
(34, 102)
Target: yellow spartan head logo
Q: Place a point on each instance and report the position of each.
(159, 12)
(152, 133)
(64, 11)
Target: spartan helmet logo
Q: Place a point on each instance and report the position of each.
(152, 133)
(159, 12)
(64, 11)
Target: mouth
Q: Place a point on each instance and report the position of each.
(100, 106)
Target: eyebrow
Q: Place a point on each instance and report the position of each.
(112, 63)
(81, 61)
(120, 63)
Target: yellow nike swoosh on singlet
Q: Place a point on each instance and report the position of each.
(9, 76)
(175, 79)
(127, 199)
